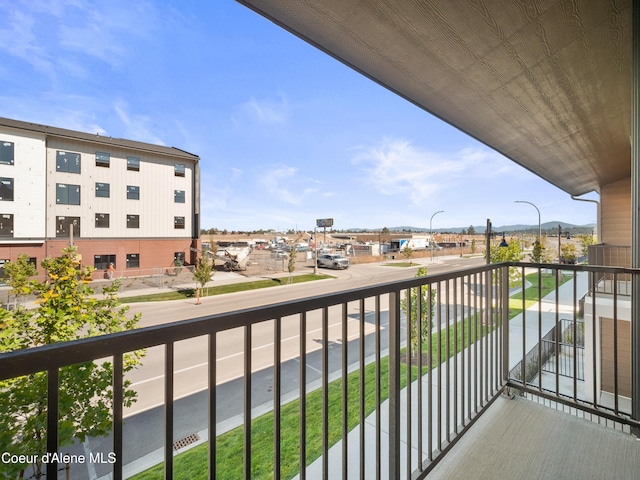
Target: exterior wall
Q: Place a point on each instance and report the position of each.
(156, 180)
(608, 376)
(615, 213)
(28, 174)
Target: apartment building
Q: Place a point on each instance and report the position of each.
(129, 203)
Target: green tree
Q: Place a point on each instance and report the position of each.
(585, 242)
(511, 253)
(426, 313)
(474, 245)
(202, 272)
(67, 311)
(569, 253)
(291, 264)
(540, 252)
(407, 252)
(18, 275)
(471, 230)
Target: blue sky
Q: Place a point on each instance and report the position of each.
(285, 133)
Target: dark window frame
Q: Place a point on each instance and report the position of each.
(6, 225)
(179, 169)
(102, 188)
(133, 220)
(133, 164)
(179, 196)
(7, 152)
(6, 195)
(62, 226)
(102, 220)
(66, 200)
(101, 262)
(103, 159)
(133, 192)
(133, 260)
(72, 162)
(179, 225)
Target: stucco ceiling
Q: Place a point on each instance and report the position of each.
(546, 83)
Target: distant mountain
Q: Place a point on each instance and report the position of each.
(547, 227)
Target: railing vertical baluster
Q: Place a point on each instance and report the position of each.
(408, 363)
(481, 342)
(539, 329)
(504, 320)
(615, 342)
(303, 396)
(430, 375)
(455, 355)
(53, 401)
(247, 400)
(362, 390)
(420, 315)
(476, 342)
(439, 363)
(557, 333)
(491, 335)
(277, 395)
(325, 393)
(213, 404)
(594, 327)
(345, 392)
(447, 354)
(117, 415)
(378, 389)
(523, 362)
(469, 344)
(394, 384)
(168, 410)
(575, 336)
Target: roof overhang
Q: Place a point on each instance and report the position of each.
(547, 84)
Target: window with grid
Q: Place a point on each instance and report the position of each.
(103, 159)
(103, 190)
(67, 194)
(64, 226)
(133, 260)
(179, 169)
(133, 164)
(178, 222)
(67, 162)
(102, 262)
(178, 196)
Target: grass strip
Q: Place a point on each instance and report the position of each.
(222, 289)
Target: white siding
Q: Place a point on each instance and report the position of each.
(28, 174)
(157, 182)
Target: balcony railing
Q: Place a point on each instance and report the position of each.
(611, 256)
(401, 405)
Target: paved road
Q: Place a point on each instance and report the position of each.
(144, 424)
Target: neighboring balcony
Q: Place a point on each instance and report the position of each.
(349, 396)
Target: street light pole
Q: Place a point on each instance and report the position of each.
(539, 224)
(431, 231)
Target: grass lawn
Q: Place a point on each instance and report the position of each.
(222, 289)
(531, 293)
(193, 464)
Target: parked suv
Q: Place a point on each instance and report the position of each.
(332, 260)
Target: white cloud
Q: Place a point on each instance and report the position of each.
(287, 185)
(395, 167)
(267, 112)
(137, 127)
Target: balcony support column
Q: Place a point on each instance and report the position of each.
(635, 217)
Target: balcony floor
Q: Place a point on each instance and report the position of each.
(522, 439)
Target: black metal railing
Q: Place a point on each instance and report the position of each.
(429, 379)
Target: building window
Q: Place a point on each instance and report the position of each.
(102, 220)
(6, 189)
(178, 169)
(67, 194)
(103, 190)
(102, 262)
(133, 260)
(133, 192)
(65, 225)
(103, 159)
(6, 225)
(179, 258)
(178, 222)
(6, 153)
(133, 221)
(178, 196)
(133, 164)
(68, 162)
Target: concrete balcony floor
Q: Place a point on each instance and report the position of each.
(519, 438)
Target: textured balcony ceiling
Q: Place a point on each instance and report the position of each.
(546, 83)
